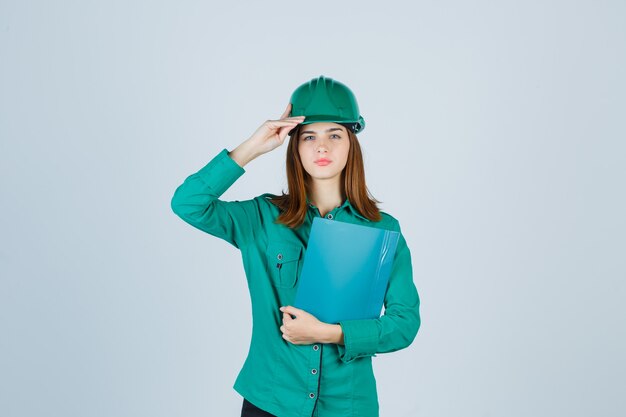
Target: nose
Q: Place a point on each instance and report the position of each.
(322, 146)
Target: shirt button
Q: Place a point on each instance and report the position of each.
(329, 216)
(280, 256)
(311, 395)
(316, 347)
(314, 371)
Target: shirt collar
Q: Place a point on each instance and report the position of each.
(345, 204)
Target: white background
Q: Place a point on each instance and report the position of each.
(494, 132)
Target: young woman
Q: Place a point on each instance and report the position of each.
(297, 365)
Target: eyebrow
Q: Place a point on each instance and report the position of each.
(327, 130)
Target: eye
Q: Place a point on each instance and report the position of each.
(304, 138)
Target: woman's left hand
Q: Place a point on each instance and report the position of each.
(304, 329)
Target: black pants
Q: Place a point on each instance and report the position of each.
(250, 410)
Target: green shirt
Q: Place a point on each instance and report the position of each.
(285, 379)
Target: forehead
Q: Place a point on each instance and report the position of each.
(321, 127)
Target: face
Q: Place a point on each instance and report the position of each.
(323, 140)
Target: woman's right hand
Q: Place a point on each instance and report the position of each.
(270, 135)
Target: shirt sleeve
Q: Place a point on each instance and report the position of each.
(197, 202)
(397, 327)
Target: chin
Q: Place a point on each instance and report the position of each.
(321, 173)
(324, 177)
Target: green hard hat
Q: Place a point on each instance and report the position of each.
(326, 100)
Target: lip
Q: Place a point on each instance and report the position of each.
(323, 161)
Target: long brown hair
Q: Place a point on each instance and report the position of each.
(293, 206)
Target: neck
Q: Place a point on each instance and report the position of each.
(325, 195)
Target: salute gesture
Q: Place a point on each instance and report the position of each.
(270, 135)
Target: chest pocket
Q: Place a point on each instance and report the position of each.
(283, 259)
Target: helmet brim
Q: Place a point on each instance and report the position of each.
(355, 125)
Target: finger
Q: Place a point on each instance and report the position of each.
(286, 317)
(283, 132)
(289, 122)
(284, 122)
(287, 111)
(292, 310)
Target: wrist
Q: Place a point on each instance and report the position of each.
(331, 333)
(243, 154)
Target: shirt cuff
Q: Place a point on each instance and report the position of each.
(360, 338)
(221, 172)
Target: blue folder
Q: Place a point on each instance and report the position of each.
(346, 270)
